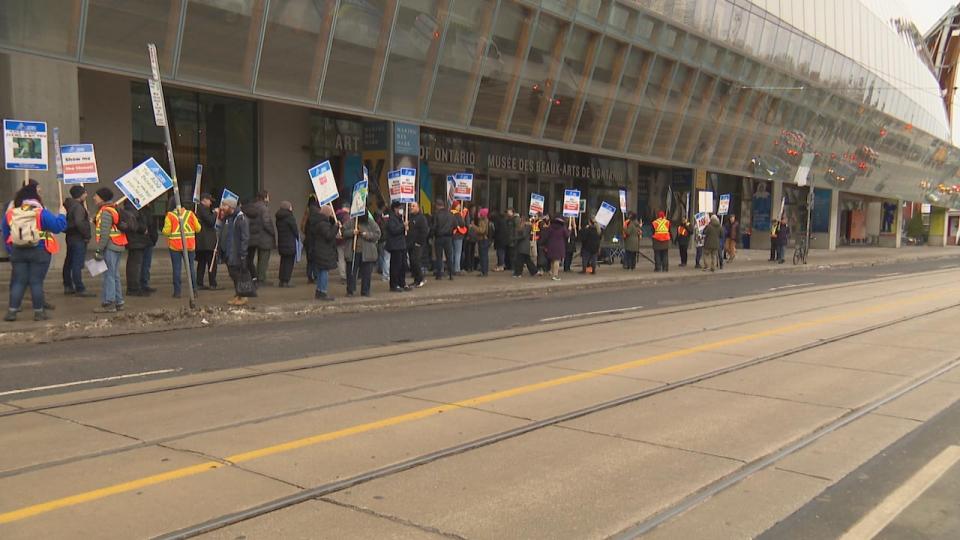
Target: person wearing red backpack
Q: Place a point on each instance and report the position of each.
(28, 230)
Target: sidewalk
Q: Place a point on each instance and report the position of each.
(74, 318)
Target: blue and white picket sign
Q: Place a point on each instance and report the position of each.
(144, 183)
(25, 145)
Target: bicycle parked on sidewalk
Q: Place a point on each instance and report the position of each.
(801, 250)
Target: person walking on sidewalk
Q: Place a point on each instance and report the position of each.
(312, 206)
(324, 229)
(661, 243)
(396, 245)
(78, 236)
(459, 232)
(28, 230)
(555, 245)
(362, 261)
(683, 240)
(525, 249)
(153, 235)
(571, 246)
(783, 238)
(632, 232)
(176, 218)
(485, 230)
(207, 243)
(134, 225)
(417, 238)
(698, 240)
(590, 246)
(234, 244)
(711, 243)
(263, 236)
(443, 225)
(110, 242)
(733, 233)
(288, 235)
(511, 225)
(774, 229)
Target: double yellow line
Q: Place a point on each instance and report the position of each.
(140, 483)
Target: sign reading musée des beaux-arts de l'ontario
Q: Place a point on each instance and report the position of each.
(519, 164)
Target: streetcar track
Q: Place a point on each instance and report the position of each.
(526, 331)
(646, 525)
(386, 393)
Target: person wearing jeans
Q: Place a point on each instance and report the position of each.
(78, 236)
(175, 219)
(30, 262)
(323, 231)
(110, 245)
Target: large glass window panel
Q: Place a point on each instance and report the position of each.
(357, 55)
(537, 82)
(220, 42)
(461, 59)
(294, 47)
(571, 82)
(48, 26)
(601, 90)
(413, 52)
(721, 20)
(503, 63)
(739, 21)
(118, 32)
(661, 79)
(638, 62)
(768, 39)
(622, 18)
(754, 32)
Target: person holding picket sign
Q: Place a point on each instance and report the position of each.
(28, 230)
(361, 253)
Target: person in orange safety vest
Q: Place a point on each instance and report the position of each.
(171, 230)
(661, 242)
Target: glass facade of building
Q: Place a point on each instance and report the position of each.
(732, 86)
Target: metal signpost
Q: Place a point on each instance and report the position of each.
(160, 115)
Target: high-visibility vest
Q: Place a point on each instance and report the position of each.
(49, 240)
(661, 230)
(171, 229)
(682, 230)
(117, 236)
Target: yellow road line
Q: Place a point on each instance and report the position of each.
(89, 496)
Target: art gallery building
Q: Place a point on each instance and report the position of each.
(662, 98)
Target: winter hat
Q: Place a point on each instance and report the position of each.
(484, 212)
(105, 193)
(77, 191)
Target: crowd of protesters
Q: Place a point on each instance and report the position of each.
(395, 243)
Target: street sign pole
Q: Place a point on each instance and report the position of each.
(160, 115)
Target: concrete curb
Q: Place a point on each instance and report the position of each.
(165, 319)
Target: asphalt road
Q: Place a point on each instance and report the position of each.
(206, 349)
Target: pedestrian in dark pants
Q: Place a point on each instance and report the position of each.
(233, 244)
(698, 240)
(510, 227)
(774, 227)
(484, 229)
(661, 242)
(287, 237)
(589, 246)
(78, 236)
(153, 234)
(443, 225)
(396, 244)
(324, 229)
(263, 236)
(360, 260)
(683, 240)
(28, 230)
(712, 243)
(137, 242)
(524, 249)
(632, 231)
(571, 247)
(307, 241)
(417, 237)
(470, 241)
(206, 243)
(783, 238)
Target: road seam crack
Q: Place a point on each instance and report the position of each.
(395, 519)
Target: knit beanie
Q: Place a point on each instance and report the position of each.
(105, 193)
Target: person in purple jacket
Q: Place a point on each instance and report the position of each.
(28, 230)
(555, 240)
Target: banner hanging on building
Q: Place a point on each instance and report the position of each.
(25, 145)
(605, 214)
(571, 203)
(324, 183)
(79, 164)
(144, 183)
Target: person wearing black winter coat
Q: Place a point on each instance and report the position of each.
(396, 244)
(417, 237)
(323, 229)
(589, 246)
(137, 242)
(206, 242)
(78, 236)
(287, 237)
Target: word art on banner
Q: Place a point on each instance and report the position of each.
(403, 185)
(571, 203)
(605, 214)
(623, 201)
(25, 145)
(724, 207)
(702, 219)
(358, 203)
(324, 183)
(144, 183)
(229, 196)
(463, 187)
(79, 164)
(536, 204)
